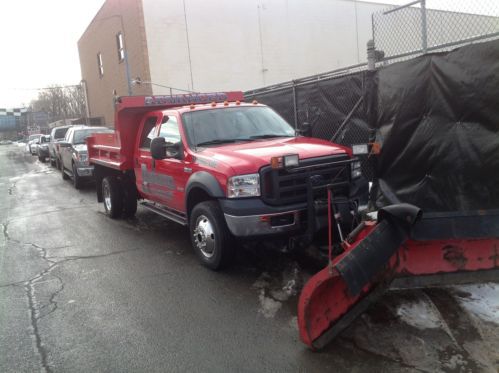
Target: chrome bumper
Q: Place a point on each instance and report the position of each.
(260, 225)
(85, 171)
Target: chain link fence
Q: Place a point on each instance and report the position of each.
(433, 25)
(332, 104)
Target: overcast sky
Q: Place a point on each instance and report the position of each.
(38, 45)
(38, 42)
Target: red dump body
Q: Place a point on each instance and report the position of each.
(116, 150)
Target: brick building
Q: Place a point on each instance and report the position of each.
(215, 45)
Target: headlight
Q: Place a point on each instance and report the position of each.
(82, 157)
(243, 186)
(356, 170)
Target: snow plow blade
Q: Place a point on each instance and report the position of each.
(401, 250)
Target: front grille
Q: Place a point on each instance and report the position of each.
(282, 187)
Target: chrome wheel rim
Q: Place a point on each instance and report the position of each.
(204, 236)
(106, 192)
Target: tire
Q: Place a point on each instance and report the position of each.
(52, 162)
(57, 164)
(129, 199)
(41, 159)
(64, 175)
(77, 182)
(112, 197)
(210, 237)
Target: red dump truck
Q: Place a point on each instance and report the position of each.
(229, 169)
(225, 168)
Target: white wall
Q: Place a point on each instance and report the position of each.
(246, 44)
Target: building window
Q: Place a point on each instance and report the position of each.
(100, 65)
(121, 47)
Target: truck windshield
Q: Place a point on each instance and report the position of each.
(221, 126)
(59, 133)
(81, 135)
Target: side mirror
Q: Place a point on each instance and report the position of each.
(174, 150)
(158, 148)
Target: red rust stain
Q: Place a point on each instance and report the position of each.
(455, 255)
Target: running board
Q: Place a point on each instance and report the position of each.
(165, 213)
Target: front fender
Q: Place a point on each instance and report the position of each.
(206, 182)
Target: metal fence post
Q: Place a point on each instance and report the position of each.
(295, 108)
(424, 27)
(371, 55)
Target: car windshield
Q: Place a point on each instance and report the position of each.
(59, 133)
(221, 126)
(81, 135)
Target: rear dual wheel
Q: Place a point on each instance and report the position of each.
(120, 197)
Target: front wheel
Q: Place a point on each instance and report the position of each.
(64, 175)
(210, 236)
(77, 182)
(112, 196)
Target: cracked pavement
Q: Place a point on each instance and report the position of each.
(80, 292)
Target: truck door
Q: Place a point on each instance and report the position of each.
(143, 159)
(172, 170)
(65, 152)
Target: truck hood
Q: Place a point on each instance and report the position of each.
(80, 148)
(249, 157)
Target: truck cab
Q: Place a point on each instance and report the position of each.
(224, 168)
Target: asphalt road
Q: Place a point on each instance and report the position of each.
(80, 292)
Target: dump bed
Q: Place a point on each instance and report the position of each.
(115, 150)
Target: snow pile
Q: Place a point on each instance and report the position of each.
(481, 300)
(275, 288)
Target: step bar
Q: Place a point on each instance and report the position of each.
(166, 213)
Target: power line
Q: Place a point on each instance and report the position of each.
(39, 89)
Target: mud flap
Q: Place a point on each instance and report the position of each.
(335, 296)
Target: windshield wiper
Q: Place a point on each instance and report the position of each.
(217, 142)
(270, 135)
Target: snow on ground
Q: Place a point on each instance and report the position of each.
(481, 300)
(421, 314)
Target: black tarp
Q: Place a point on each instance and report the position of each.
(324, 104)
(437, 119)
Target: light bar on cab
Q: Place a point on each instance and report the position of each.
(193, 98)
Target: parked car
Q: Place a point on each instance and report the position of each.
(43, 148)
(33, 142)
(5, 142)
(74, 155)
(56, 135)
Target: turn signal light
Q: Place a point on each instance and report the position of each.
(274, 162)
(255, 102)
(226, 103)
(375, 148)
(213, 104)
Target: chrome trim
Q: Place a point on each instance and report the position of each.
(251, 225)
(85, 171)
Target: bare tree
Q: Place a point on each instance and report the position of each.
(61, 102)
